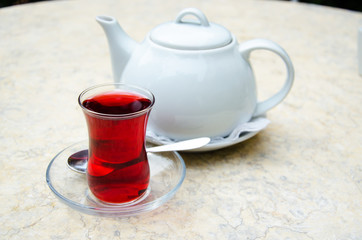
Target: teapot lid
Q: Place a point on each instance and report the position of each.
(191, 35)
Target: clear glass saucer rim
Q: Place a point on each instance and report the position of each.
(116, 210)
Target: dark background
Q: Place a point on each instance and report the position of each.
(355, 5)
(6, 3)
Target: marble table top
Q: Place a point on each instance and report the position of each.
(300, 178)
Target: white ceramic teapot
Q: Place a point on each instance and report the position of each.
(200, 75)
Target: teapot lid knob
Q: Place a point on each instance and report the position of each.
(194, 12)
(189, 34)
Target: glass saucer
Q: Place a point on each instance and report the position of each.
(167, 174)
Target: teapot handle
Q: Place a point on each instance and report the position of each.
(246, 48)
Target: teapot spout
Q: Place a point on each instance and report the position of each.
(120, 44)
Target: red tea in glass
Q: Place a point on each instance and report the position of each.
(116, 115)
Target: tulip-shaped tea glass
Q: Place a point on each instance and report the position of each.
(116, 114)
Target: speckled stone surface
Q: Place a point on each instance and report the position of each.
(300, 178)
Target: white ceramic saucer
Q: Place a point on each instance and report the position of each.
(253, 127)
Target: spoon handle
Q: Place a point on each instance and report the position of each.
(180, 146)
